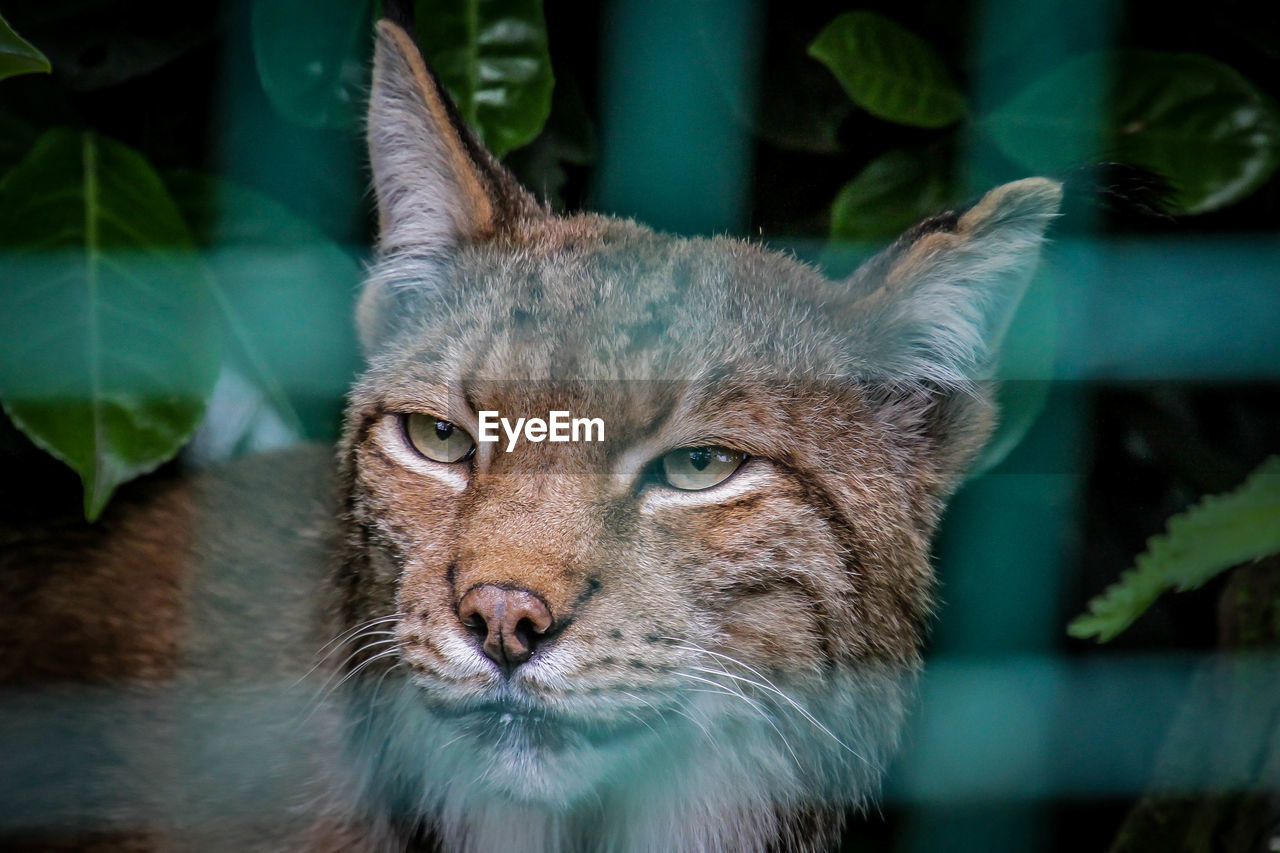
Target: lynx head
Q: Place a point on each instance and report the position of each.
(702, 629)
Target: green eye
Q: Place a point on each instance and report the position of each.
(694, 468)
(437, 439)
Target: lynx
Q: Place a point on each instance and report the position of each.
(700, 633)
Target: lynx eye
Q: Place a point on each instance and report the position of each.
(695, 468)
(438, 439)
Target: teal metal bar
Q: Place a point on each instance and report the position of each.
(1004, 546)
(676, 88)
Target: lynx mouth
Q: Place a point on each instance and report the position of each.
(531, 724)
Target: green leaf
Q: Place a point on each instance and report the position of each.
(108, 342)
(892, 193)
(313, 58)
(286, 294)
(889, 71)
(491, 55)
(1059, 120)
(568, 137)
(17, 55)
(1197, 122)
(1202, 124)
(1219, 532)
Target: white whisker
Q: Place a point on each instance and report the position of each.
(765, 683)
(322, 654)
(724, 688)
(324, 691)
(793, 703)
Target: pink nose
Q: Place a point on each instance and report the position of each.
(508, 622)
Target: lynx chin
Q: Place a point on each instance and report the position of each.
(700, 635)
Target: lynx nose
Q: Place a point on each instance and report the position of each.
(509, 622)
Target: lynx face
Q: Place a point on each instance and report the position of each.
(705, 626)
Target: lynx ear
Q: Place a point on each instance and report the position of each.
(436, 185)
(936, 304)
(431, 193)
(938, 300)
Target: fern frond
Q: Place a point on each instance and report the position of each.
(1219, 532)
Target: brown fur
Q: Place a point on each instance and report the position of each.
(120, 623)
(728, 670)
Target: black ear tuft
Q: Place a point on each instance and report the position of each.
(1124, 193)
(400, 13)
